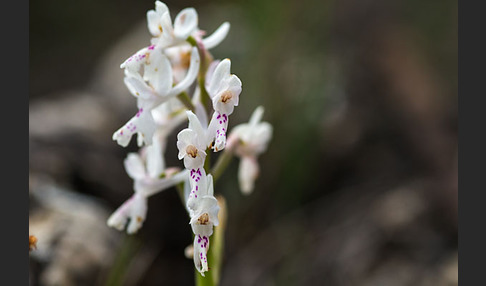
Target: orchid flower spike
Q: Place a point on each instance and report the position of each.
(248, 141)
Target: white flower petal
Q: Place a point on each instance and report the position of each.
(187, 191)
(139, 88)
(119, 218)
(200, 110)
(158, 72)
(185, 23)
(190, 76)
(217, 37)
(209, 72)
(133, 63)
(151, 186)
(153, 18)
(198, 182)
(261, 136)
(166, 37)
(210, 185)
(134, 166)
(138, 213)
(219, 76)
(161, 7)
(234, 85)
(155, 155)
(223, 107)
(247, 174)
(194, 124)
(184, 138)
(142, 123)
(256, 116)
(207, 204)
(194, 163)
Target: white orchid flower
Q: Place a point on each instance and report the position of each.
(224, 89)
(159, 89)
(150, 177)
(248, 141)
(185, 25)
(160, 25)
(192, 143)
(203, 210)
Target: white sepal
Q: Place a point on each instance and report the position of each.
(247, 173)
(217, 36)
(142, 123)
(185, 23)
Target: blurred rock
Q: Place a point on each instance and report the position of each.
(363, 235)
(69, 112)
(74, 244)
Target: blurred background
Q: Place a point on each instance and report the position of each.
(358, 185)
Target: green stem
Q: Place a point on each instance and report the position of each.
(207, 162)
(126, 252)
(208, 280)
(217, 240)
(180, 192)
(184, 98)
(223, 160)
(206, 59)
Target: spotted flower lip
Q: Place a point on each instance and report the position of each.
(201, 247)
(219, 127)
(203, 211)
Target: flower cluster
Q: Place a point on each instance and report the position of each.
(162, 77)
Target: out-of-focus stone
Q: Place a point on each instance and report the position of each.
(70, 112)
(74, 244)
